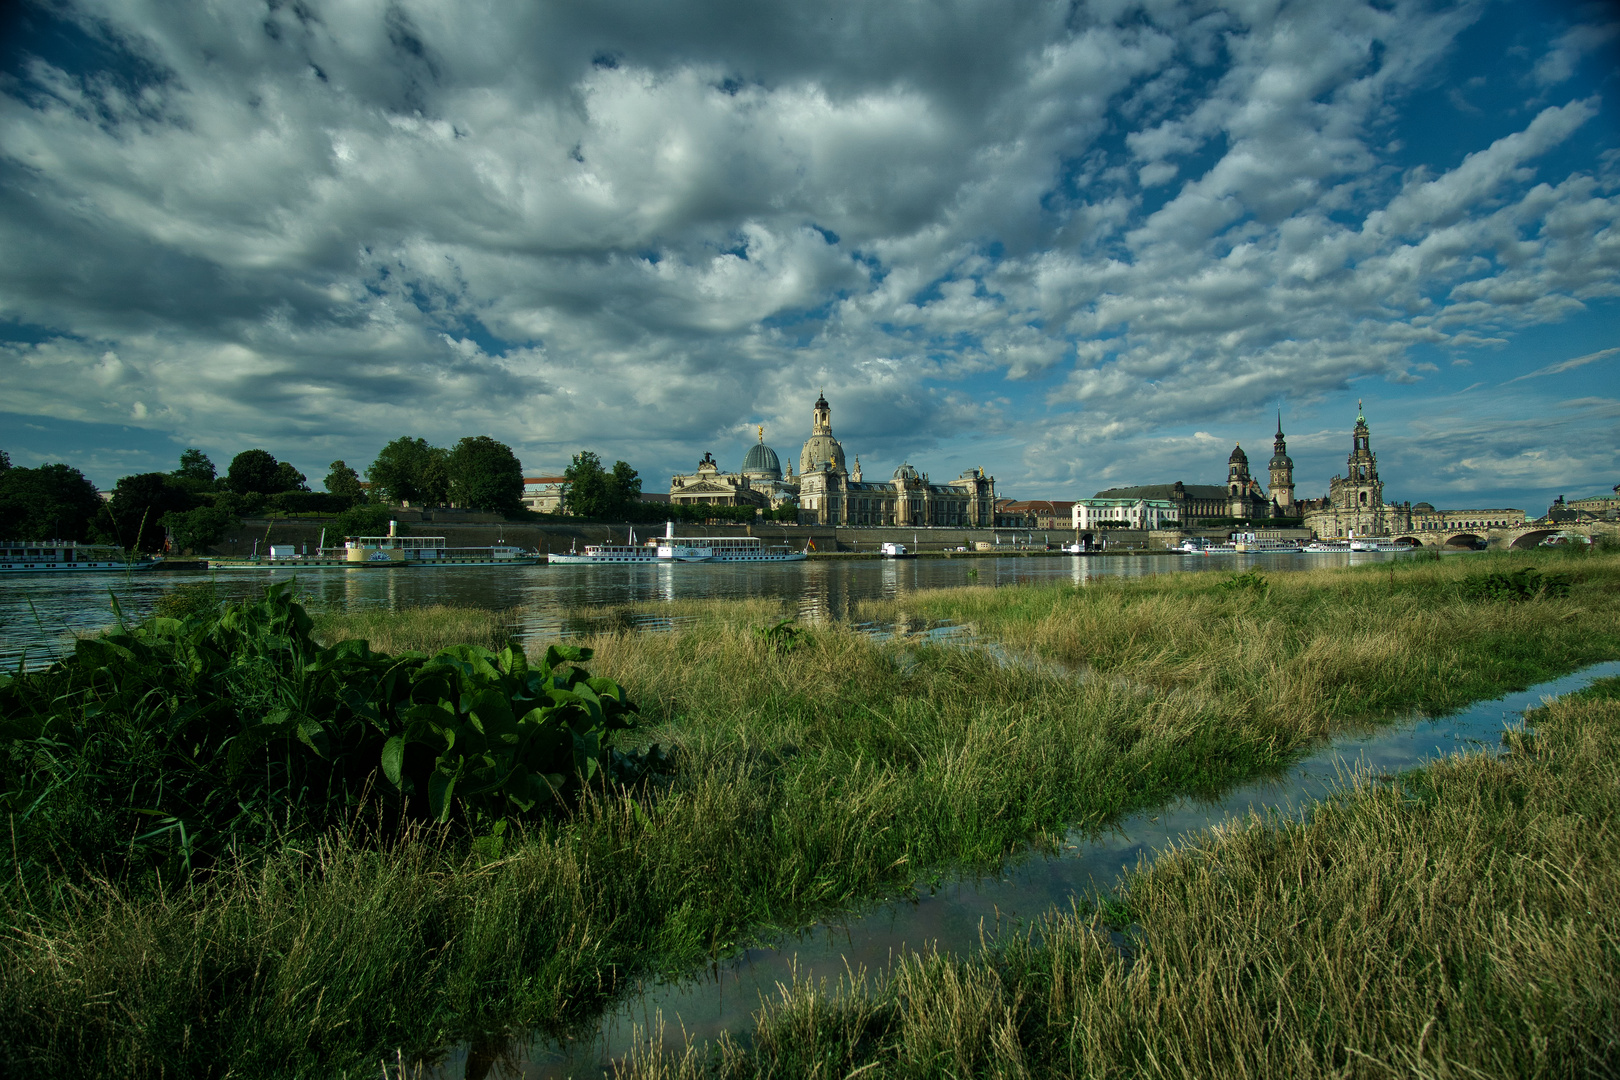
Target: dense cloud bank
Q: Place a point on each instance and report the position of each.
(642, 228)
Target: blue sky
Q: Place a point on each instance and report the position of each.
(1078, 245)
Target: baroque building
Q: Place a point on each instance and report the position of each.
(710, 486)
(1355, 502)
(830, 494)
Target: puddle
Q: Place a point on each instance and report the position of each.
(961, 913)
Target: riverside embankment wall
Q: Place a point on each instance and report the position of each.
(562, 534)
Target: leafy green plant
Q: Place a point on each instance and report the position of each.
(1250, 581)
(1511, 586)
(181, 738)
(782, 637)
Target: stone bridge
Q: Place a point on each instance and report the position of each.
(1516, 537)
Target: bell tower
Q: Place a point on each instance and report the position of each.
(1282, 472)
(821, 417)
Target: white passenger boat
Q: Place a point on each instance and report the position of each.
(1377, 543)
(66, 556)
(376, 552)
(895, 551)
(1328, 547)
(670, 548)
(1250, 543)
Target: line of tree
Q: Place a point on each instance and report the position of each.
(193, 506)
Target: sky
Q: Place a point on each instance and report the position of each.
(1079, 245)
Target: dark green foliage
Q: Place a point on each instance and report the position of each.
(196, 472)
(52, 502)
(195, 529)
(139, 505)
(782, 637)
(5, 461)
(173, 742)
(289, 478)
(1250, 581)
(307, 502)
(408, 470)
(485, 475)
(344, 482)
(1525, 583)
(367, 519)
(258, 471)
(594, 492)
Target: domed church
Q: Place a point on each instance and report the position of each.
(829, 494)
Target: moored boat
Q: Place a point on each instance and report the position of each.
(376, 552)
(67, 556)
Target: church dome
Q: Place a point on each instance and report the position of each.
(819, 449)
(1238, 456)
(761, 463)
(1281, 461)
(907, 473)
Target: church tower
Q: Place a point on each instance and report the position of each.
(1282, 473)
(1358, 497)
(1238, 483)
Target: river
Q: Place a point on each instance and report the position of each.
(41, 614)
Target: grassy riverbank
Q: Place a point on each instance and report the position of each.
(1462, 921)
(817, 768)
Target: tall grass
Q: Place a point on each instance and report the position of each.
(427, 629)
(1462, 922)
(808, 779)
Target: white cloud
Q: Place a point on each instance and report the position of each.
(644, 229)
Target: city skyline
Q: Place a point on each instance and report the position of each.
(1081, 249)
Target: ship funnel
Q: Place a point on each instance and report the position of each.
(669, 530)
(393, 528)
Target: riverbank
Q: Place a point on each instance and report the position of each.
(818, 769)
(1458, 921)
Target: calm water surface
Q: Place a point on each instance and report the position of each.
(41, 614)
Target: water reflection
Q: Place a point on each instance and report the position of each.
(42, 614)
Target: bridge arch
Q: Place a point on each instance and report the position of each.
(1415, 541)
(1531, 539)
(1465, 541)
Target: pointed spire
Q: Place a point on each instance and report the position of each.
(1279, 424)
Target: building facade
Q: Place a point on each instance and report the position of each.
(1126, 513)
(1427, 521)
(544, 494)
(711, 487)
(1355, 503)
(1040, 513)
(831, 494)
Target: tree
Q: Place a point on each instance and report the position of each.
(585, 487)
(196, 471)
(344, 481)
(5, 461)
(288, 479)
(367, 519)
(408, 470)
(139, 505)
(52, 502)
(485, 475)
(591, 491)
(196, 529)
(252, 471)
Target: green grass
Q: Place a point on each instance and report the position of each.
(808, 780)
(1462, 922)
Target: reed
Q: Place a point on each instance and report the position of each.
(815, 772)
(1461, 921)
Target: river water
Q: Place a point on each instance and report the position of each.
(40, 614)
(963, 913)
